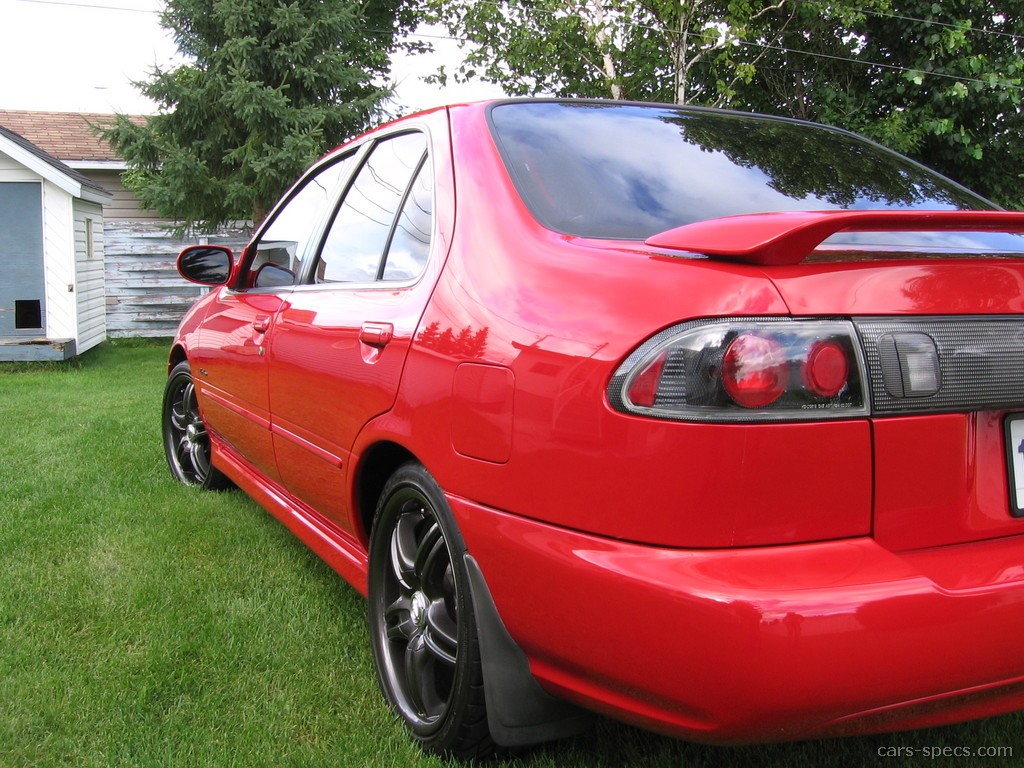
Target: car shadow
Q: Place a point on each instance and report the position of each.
(609, 744)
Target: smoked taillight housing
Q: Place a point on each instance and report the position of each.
(747, 369)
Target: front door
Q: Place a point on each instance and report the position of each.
(229, 364)
(22, 284)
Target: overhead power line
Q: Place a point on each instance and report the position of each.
(930, 22)
(784, 49)
(91, 6)
(824, 6)
(706, 36)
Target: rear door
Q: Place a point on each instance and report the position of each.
(340, 343)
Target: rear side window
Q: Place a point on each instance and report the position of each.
(382, 228)
(627, 171)
(410, 244)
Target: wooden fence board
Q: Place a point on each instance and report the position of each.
(145, 295)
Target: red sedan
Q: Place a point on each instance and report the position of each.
(706, 421)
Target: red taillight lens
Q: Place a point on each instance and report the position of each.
(827, 369)
(754, 370)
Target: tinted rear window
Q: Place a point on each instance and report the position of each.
(626, 171)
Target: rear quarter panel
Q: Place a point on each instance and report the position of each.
(559, 314)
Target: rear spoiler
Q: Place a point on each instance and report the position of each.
(778, 239)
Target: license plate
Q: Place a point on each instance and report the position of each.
(1015, 462)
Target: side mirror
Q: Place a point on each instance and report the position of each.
(206, 264)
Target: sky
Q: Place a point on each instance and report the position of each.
(83, 55)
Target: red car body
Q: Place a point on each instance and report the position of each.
(723, 580)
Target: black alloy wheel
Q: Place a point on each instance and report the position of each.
(186, 443)
(422, 625)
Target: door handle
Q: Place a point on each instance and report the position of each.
(261, 324)
(376, 334)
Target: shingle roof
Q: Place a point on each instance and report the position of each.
(49, 159)
(64, 135)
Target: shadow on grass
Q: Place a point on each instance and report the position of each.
(993, 741)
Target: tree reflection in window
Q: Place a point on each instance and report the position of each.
(631, 171)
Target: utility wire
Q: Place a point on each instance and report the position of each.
(930, 22)
(820, 5)
(93, 6)
(706, 36)
(784, 49)
(823, 6)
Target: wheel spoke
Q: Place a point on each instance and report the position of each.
(200, 460)
(440, 634)
(398, 620)
(182, 451)
(188, 400)
(431, 561)
(403, 553)
(418, 677)
(179, 418)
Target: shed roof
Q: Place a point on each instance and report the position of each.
(42, 162)
(65, 135)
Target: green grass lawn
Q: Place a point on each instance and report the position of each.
(147, 624)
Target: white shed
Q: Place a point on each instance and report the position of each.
(52, 297)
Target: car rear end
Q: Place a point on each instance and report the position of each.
(791, 489)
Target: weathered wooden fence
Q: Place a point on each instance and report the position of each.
(145, 294)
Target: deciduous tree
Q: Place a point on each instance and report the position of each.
(663, 50)
(940, 82)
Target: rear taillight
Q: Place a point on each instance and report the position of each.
(745, 370)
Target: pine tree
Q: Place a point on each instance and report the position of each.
(267, 87)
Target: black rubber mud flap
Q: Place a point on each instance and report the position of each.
(519, 711)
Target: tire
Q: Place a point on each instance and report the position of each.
(186, 443)
(422, 625)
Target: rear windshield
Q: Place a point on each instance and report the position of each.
(627, 171)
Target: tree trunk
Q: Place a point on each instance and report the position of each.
(601, 38)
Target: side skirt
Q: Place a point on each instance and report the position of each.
(343, 553)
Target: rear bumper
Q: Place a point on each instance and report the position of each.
(760, 644)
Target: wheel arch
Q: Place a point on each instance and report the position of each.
(376, 464)
(177, 355)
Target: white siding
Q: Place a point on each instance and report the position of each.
(89, 283)
(12, 171)
(124, 206)
(59, 260)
